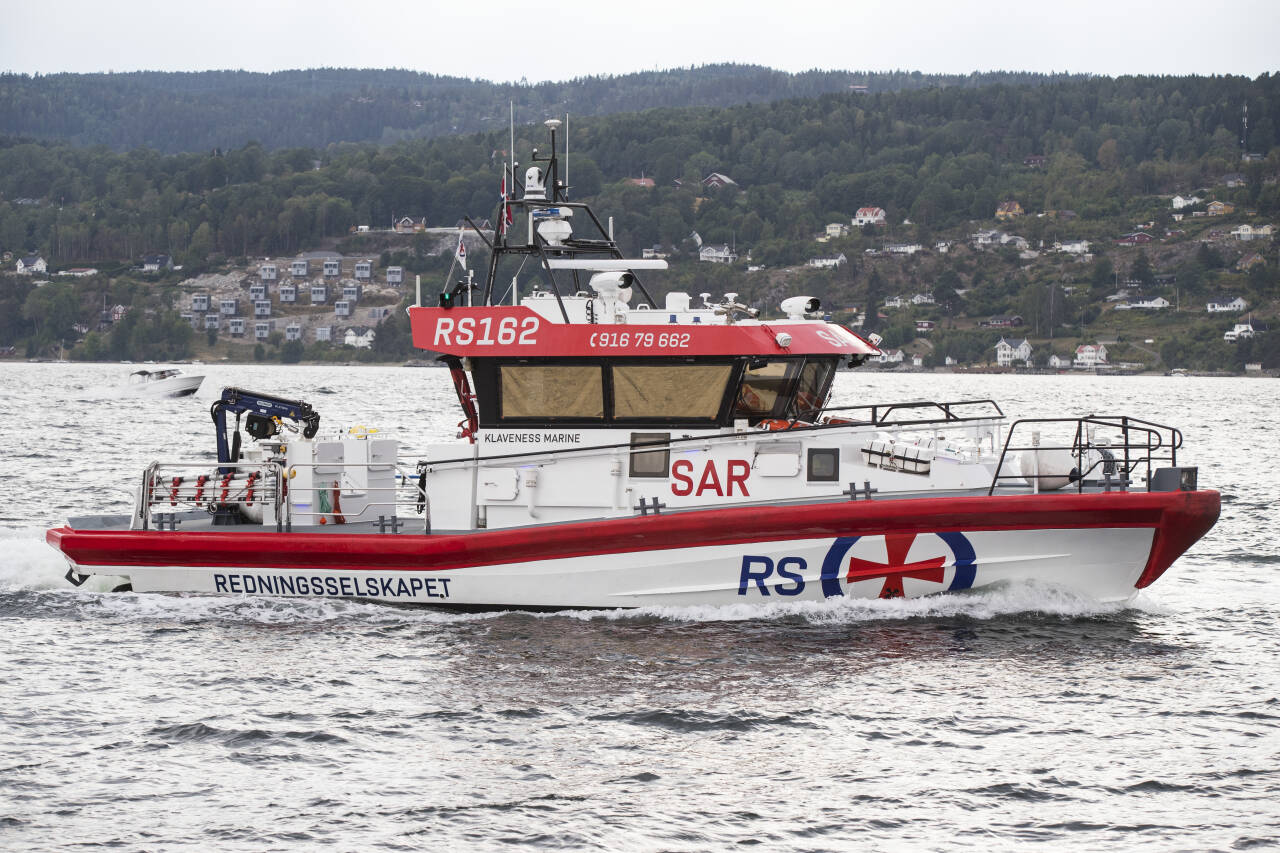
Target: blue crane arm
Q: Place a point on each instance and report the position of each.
(262, 410)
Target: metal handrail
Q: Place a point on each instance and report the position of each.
(1157, 436)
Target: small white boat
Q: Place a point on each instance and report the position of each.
(168, 382)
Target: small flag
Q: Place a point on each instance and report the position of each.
(460, 253)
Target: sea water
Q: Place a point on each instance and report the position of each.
(983, 721)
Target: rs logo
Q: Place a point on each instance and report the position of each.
(883, 566)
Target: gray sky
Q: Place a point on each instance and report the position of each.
(504, 40)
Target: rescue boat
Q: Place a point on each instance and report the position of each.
(616, 450)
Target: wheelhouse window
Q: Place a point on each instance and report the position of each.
(763, 392)
(552, 391)
(674, 391)
(811, 390)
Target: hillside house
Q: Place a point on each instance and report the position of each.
(837, 229)
(395, 275)
(268, 272)
(891, 356)
(1035, 161)
(199, 302)
(288, 294)
(257, 292)
(1234, 179)
(364, 270)
(262, 308)
(360, 337)
(1239, 332)
(1157, 304)
(894, 302)
(1180, 202)
(1250, 260)
(1090, 355)
(925, 326)
(323, 334)
(31, 264)
(235, 326)
(829, 263)
(1249, 232)
(211, 321)
(332, 267)
(352, 292)
(716, 180)
(300, 268)
(1134, 238)
(410, 225)
(903, 248)
(1073, 247)
(319, 294)
(869, 216)
(721, 254)
(156, 263)
(1002, 321)
(1220, 208)
(293, 332)
(922, 299)
(342, 308)
(228, 307)
(263, 330)
(1008, 352)
(1059, 362)
(1226, 304)
(1008, 210)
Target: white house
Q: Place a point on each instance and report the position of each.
(1157, 304)
(1180, 202)
(1240, 332)
(364, 270)
(869, 216)
(1248, 232)
(922, 299)
(332, 267)
(293, 332)
(30, 264)
(903, 248)
(1225, 304)
(301, 268)
(268, 272)
(1090, 355)
(360, 337)
(892, 356)
(1008, 352)
(155, 263)
(829, 263)
(917, 361)
(395, 275)
(986, 238)
(837, 229)
(1059, 362)
(1073, 247)
(721, 254)
(894, 302)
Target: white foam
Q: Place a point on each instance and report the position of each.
(30, 563)
(1016, 598)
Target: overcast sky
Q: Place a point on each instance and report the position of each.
(502, 40)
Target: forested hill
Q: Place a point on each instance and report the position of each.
(202, 111)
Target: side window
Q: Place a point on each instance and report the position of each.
(824, 464)
(811, 391)
(650, 463)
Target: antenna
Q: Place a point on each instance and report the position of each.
(566, 155)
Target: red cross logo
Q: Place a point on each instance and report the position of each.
(897, 545)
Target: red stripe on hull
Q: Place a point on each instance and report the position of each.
(1179, 519)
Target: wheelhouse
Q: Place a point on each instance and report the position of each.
(624, 393)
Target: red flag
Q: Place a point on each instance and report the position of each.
(461, 252)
